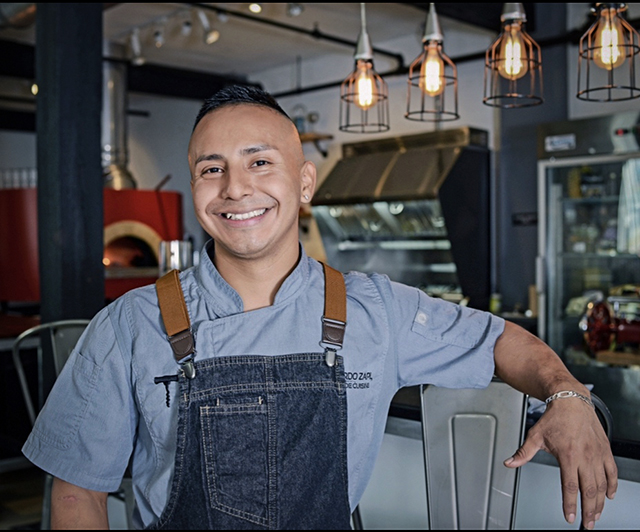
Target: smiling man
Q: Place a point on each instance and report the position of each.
(249, 178)
(227, 389)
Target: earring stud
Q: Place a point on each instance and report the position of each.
(306, 197)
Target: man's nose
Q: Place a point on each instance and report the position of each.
(238, 183)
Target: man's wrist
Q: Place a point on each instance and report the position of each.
(569, 394)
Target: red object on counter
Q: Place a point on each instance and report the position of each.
(153, 214)
(602, 328)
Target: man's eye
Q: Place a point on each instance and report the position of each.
(209, 171)
(261, 162)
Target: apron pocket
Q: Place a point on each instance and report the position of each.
(235, 448)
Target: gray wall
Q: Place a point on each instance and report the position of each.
(516, 164)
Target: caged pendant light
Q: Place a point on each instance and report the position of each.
(364, 95)
(433, 79)
(513, 64)
(607, 60)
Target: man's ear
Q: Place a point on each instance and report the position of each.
(308, 176)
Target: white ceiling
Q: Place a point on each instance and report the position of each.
(246, 46)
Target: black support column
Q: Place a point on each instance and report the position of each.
(70, 205)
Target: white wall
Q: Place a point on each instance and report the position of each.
(158, 146)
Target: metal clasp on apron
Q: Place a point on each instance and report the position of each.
(188, 368)
(332, 339)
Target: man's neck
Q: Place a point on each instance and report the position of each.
(256, 281)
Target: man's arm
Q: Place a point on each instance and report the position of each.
(75, 508)
(569, 429)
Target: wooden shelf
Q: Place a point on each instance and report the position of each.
(315, 138)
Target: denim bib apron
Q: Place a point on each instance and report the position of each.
(261, 439)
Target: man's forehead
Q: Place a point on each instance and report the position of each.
(253, 118)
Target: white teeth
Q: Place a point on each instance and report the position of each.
(244, 216)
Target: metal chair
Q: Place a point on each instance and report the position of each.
(467, 433)
(63, 336)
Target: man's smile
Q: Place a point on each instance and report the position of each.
(243, 216)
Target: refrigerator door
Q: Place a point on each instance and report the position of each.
(589, 278)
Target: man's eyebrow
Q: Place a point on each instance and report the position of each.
(209, 157)
(245, 151)
(255, 149)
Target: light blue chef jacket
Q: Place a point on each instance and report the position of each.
(105, 407)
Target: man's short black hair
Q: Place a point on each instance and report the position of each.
(237, 94)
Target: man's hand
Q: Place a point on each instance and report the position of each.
(570, 430)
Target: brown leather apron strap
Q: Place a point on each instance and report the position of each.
(335, 295)
(174, 314)
(178, 326)
(334, 320)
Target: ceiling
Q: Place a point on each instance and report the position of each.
(248, 43)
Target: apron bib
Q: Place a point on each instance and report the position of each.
(262, 440)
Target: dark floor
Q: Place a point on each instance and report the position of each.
(21, 499)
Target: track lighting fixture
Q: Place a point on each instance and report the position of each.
(255, 8)
(136, 50)
(294, 10)
(210, 35)
(186, 27)
(158, 36)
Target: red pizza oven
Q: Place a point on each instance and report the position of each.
(135, 222)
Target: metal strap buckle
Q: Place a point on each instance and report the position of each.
(333, 332)
(184, 349)
(332, 339)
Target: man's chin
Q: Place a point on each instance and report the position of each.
(238, 251)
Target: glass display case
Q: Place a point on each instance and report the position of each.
(406, 240)
(589, 278)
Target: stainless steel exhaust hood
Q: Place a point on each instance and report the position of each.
(411, 167)
(115, 151)
(416, 208)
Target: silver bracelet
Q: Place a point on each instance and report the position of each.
(569, 393)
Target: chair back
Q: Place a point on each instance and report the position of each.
(467, 434)
(62, 336)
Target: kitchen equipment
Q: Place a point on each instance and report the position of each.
(135, 222)
(175, 255)
(415, 208)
